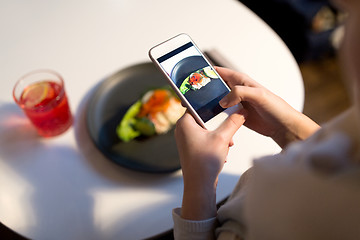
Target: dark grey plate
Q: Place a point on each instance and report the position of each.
(105, 110)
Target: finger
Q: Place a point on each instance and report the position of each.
(233, 78)
(239, 94)
(229, 127)
(185, 120)
(187, 123)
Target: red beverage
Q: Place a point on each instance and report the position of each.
(46, 105)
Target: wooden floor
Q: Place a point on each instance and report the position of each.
(325, 91)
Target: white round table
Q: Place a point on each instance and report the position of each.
(63, 187)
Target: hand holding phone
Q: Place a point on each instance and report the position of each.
(193, 79)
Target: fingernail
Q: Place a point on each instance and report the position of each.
(223, 103)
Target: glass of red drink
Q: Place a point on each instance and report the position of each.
(42, 97)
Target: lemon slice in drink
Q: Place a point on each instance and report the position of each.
(210, 73)
(35, 94)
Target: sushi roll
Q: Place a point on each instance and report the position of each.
(156, 113)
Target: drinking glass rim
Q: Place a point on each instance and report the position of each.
(60, 78)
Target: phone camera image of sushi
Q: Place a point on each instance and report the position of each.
(198, 79)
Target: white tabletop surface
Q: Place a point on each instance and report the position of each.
(63, 187)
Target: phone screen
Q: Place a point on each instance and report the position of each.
(195, 79)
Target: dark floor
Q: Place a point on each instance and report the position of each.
(325, 92)
(7, 234)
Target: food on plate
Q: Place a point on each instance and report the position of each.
(198, 79)
(155, 113)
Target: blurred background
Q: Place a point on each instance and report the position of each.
(312, 31)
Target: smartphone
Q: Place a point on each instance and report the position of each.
(193, 79)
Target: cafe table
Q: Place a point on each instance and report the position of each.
(63, 187)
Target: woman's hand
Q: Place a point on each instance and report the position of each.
(267, 113)
(202, 157)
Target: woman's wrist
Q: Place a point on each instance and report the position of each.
(307, 127)
(297, 129)
(199, 201)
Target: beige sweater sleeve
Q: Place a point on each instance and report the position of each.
(187, 229)
(209, 229)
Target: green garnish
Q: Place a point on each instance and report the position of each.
(125, 130)
(185, 86)
(145, 126)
